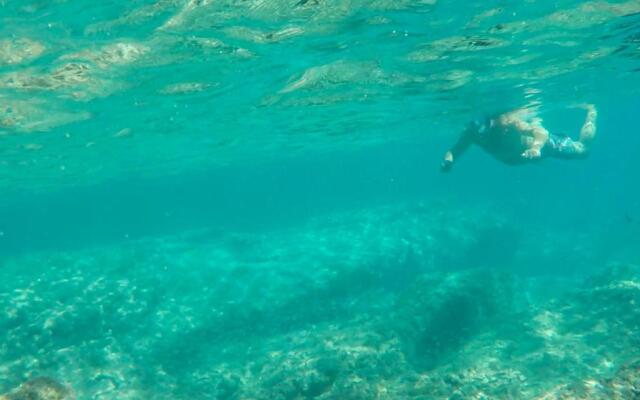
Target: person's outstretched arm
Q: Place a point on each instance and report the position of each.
(456, 151)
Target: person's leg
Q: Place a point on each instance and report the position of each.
(567, 148)
(564, 147)
(588, 131)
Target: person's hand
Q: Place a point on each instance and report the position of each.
(447, 163)
(531, 154)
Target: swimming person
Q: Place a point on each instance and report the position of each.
(518, 137)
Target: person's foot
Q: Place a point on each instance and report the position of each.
(584, 106)
(447, 163)
(446, 166)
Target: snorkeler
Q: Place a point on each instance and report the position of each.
(519, 137)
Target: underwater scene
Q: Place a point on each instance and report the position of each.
(319, 199)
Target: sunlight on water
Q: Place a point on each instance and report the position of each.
(185, 84)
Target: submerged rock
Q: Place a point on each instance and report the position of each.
(18, 51)
(41, 388)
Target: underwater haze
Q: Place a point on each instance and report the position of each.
(242, 200)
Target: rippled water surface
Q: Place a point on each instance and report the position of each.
(171, 85)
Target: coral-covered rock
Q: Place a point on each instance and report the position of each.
(41, 388)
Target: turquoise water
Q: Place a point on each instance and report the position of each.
(242, 200)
